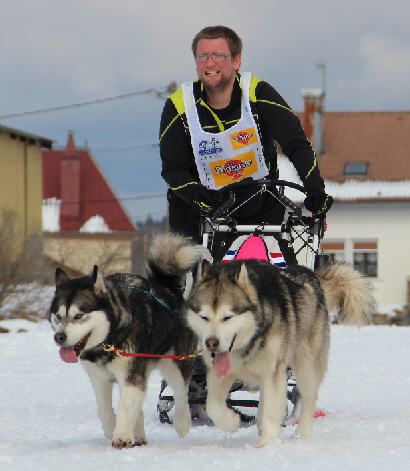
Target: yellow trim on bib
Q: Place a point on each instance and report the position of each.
(252, 90)
(178, 101)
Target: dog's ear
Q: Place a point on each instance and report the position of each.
(98, 280)
(241, 276)
(242, 280)
(61, 277)
(204, 270)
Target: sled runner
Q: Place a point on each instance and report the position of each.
(258, 241)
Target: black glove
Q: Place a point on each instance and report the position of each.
(205, 200)
(318, 203)
(194, 193)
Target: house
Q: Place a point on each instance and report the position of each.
(21, 179)
(84, 223)
(364, 158)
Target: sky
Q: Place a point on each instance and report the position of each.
(75, 51)
(49, 417)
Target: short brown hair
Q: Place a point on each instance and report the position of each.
(215, 32)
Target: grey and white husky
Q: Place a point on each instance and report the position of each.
(254, 320)
(134, 314)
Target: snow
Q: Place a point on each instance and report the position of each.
(350, 190)
(95, 224)
(49, 418)
(51, 218)
(312, 93)
(51, 215)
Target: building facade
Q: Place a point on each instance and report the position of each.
(21, 179)
(364, 158)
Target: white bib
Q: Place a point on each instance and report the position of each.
(229, 156)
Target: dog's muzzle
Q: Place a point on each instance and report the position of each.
(212, 344)
(60, 338)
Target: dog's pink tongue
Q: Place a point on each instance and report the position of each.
(222, 365)
(68, 354)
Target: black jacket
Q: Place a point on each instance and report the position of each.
(277, 123)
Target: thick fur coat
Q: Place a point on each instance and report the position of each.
(133, 314)
(254, 320)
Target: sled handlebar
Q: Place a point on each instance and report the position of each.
(264, 185)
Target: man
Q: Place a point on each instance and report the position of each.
(221, 129)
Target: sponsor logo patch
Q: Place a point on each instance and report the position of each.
(235, 169)
(209, 147)
(243, 138)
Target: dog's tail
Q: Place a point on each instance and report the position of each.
(348, 292)
(171, 257)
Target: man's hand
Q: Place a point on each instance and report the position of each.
(318, 203)
(206, 200)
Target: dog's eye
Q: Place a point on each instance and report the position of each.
(243, 310)
(194, 308)
(226, 318)
(204, 318)
(77, 317)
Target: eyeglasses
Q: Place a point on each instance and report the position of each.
(214, 57)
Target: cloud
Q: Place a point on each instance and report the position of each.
(70, 51)
(384, 76)
(78, 50)
(386, 58)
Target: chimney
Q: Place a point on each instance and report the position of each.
(70, 172)
(313, 123)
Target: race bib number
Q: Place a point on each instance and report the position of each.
(243, 138)
(232, 170)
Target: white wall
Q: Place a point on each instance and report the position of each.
(389, 223)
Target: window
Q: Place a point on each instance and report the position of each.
(334, 250)
(356, 168)
(365, 257)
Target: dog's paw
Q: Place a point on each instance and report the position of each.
(303, 430)
(119, 444)
(265, 441)
(108, 430)
(128, 440)
(182, 423)
(299, 435)
(107, 419)
(224, 418)
(269, 435)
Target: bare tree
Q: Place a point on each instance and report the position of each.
(21, 262)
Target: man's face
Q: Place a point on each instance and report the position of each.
(216, 74)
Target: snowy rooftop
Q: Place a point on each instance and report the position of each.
(51, 218)
(350, 190)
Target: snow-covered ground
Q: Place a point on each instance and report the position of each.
(49, 421)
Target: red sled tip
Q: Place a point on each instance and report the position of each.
(318, 413)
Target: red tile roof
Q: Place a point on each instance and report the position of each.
(72, 176)
(381, 138)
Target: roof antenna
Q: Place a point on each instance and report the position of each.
(321, 65)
